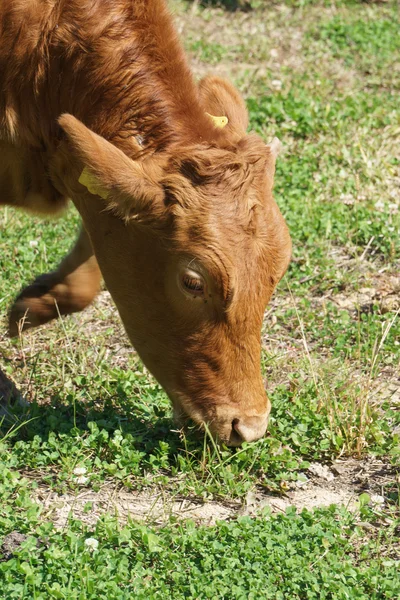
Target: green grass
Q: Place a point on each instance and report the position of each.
(320, 554)
(369, 44)
(208, 53)
(30, 246)
(330, 365)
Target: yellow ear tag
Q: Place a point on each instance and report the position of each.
(219, 122)
(92, 184)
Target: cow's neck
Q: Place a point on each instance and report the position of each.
(160, 105)
(117, 66)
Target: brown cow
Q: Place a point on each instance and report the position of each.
(97, 104)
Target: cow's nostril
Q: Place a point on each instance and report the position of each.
(236, 437)
(235, 424)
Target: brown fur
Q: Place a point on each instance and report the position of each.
(104, 85)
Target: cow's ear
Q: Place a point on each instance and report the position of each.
(274, 148)
(130, 188)
(221, 99)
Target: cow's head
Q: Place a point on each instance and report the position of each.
(191, 245)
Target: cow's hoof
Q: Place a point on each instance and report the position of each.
(33, 307)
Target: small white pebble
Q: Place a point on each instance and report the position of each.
(80, 471)
(91, 544)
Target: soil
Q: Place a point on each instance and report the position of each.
(10, 544)
(340, 483)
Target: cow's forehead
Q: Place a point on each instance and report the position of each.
(230, 234)
(225, 213)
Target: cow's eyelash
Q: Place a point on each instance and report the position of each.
(193, 283)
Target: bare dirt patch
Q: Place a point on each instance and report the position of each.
(10, 544)
(382, 289)
(340, 484)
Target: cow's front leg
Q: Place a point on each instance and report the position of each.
(69, 289)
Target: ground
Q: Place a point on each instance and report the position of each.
(89, 448)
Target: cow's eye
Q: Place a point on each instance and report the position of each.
(193, 283)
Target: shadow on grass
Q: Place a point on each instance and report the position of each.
(145, 426)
